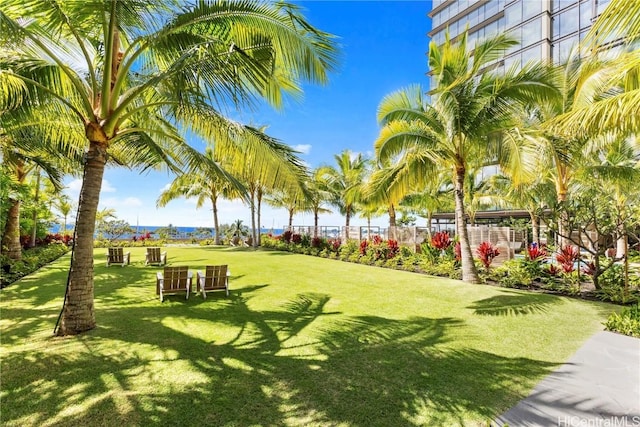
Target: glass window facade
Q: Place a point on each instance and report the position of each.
(545, 29)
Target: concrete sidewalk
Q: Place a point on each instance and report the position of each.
(598, 386)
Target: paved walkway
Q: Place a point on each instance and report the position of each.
(599, 386)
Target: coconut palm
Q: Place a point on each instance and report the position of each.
(470, 108)
(64, 205)
(617, 106)
(275, 168)
(22, 154)
(206, 185)
(343, 182)
(132, 72)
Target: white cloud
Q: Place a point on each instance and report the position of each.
(114, 202)
(75, 186)
(165, 188)
(303, 148)
(132, 201)
(106, 187)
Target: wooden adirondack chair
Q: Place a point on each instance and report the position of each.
(118, 256)
(173, 280)
(155, 257)
(215, 278)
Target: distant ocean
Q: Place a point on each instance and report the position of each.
(181, 232)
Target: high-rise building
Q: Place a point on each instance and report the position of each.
(546, 29)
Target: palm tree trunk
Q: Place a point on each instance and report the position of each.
(392, 221)
(535, 228)
(216, 226)
(316, 218)
(621, 242)
(257, 238)
(11, 235)
(34, 231)
(347, 222)
(469, 272)
(78, 314)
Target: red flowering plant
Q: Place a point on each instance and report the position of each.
(567, 258)
(394, 248)
(286, 236)
(318, 242)
(363, 247)
(457, 251)
(441, 240)
(535, 252)
(296, 238)
(487, 252)
(334, 244)
(589, 269)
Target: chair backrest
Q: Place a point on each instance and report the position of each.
(176, 278)
(215, 277)
(153, 255)
(116, 255)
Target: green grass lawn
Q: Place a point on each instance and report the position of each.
(300, 341)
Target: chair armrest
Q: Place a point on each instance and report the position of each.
(127, 256)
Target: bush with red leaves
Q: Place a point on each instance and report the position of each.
(441, 240)
(487, 252)
(536, 252)
(567, 257)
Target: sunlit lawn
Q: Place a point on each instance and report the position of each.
(301, 341)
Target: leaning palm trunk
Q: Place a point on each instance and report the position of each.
(469, 272)
(216, 225)
(11, 237)
(78, 313)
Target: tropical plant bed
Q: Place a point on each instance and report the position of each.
(300, 341)
(439, 258)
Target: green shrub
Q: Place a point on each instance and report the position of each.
(627, 322)
(32, 259)
(612, 286)
(514, 272)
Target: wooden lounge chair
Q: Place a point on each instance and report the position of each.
(215, 278)
(173, 280)
(118, 256)
(155, 257)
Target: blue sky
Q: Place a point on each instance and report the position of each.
(384, 45)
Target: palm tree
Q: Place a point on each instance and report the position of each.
(205, 184)
(470, 109)
(343, 182)
(22, 154)
(292, 202)
(316, 197)
(274, 168)
(150, 67)
(618, 106)
(64, 205)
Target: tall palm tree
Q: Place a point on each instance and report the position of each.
(470, 108)
(131, 72)
(618, 105)
(343, 182)
(317, 195)
(206, 185)
(274, 168)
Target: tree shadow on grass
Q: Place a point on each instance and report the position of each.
(515, 304)
(225, 363)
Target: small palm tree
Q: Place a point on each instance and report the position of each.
(463, 124)
(207, 184)
(343, 182)
(237, 231)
